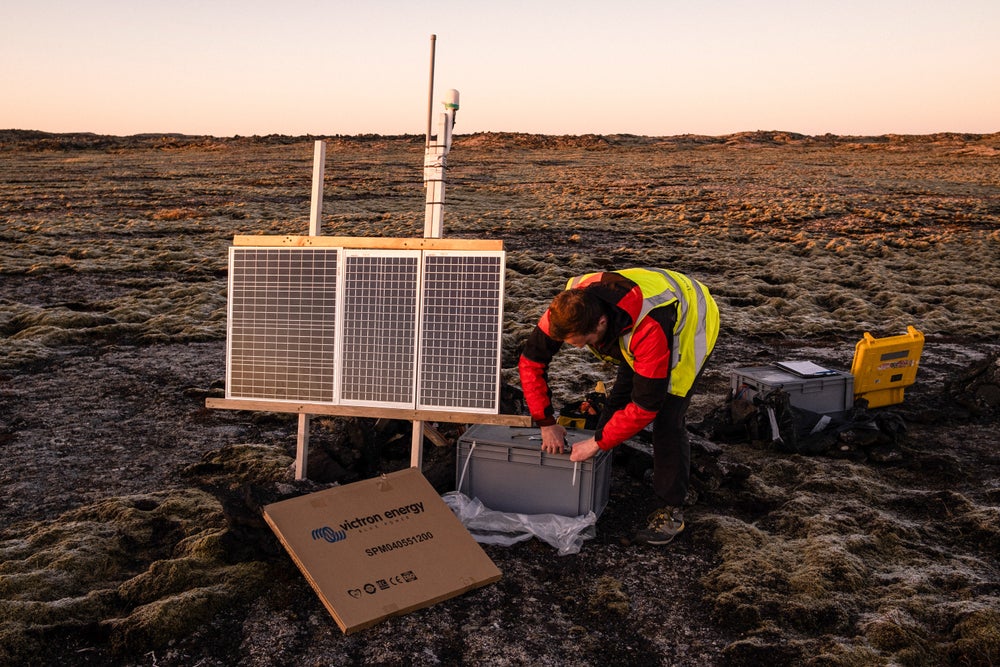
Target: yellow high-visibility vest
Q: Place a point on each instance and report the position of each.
(697, 326)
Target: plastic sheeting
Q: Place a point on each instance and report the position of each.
(487, 526)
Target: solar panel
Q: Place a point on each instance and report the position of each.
(282, 311)
(460, 330)
(388, 328)
(380, 327)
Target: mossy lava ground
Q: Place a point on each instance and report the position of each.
(131, 529)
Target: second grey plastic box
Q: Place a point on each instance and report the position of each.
(506, 469)
(825, 394)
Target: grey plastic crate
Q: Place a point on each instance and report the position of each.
(506, 469)
(825, 394)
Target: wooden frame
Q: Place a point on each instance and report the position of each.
(371, 243)
(304, 409)
(367, 411)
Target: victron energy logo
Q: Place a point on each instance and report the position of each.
(329, 534)
(363, 524)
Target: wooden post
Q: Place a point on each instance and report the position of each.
(316, 207)
(302, 446)
(315, 229)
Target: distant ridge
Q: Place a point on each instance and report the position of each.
(35, 140)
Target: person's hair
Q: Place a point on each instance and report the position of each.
(574, 312)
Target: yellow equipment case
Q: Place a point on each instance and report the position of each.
(883, 367)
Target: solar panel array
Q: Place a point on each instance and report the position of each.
(397, 328)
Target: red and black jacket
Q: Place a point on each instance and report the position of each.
(622, 300)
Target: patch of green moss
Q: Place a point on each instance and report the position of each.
(979, 637)
(171, 615)
(609, 597)
(145, 569)
(235, 465)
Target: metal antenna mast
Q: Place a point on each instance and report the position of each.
(435, 153)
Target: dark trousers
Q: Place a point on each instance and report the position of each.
(671, 451)
(671, 447)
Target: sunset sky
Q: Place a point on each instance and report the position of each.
(656, 67)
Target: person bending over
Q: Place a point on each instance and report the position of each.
(659, 327)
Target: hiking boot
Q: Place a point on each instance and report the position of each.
(664, 525)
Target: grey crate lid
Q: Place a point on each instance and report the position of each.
(514, 436)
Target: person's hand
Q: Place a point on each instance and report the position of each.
(584, 450)
(553, 438)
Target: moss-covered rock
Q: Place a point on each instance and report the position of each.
(142, 569)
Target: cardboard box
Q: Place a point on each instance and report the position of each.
(380, 547)
(506, 469)
(824, 394)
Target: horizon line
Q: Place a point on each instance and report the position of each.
(414, 135)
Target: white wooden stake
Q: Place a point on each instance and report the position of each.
(315, 229)
(316, 207)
